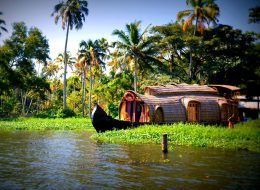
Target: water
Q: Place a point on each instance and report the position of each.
(70, 160)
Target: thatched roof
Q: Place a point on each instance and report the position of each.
(178, 88)
(163, 99)
(228, 87)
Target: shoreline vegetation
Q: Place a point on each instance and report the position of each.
(24, 123)
(244, 135)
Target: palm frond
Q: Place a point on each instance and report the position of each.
(122, 36)
(182, 14)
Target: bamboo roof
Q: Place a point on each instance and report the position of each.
(178, 88)
(229, 87)
(169, 98)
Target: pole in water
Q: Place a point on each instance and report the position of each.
(164, 143)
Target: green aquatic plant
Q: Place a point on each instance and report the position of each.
(23, 123)
(246, 136)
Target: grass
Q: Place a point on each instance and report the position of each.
(22, 123)
(245, 136)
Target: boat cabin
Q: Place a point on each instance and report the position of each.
(180, 102)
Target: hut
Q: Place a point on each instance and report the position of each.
(180, 102)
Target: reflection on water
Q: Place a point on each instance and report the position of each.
(70, 160)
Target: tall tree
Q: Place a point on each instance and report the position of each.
(254, 15)
(72, 13)
(2, 23)
(85, 62)
(136, 48)
(203, 11)
(17, 57)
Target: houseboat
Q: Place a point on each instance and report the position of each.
(177, 103)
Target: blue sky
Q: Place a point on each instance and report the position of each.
(107, 15)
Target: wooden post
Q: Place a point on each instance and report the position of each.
(164, 143)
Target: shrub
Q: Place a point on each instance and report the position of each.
(56, 113)
(67, 113)
(113, 110)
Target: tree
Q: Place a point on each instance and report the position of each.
(85, 62)
(229, 56)
(70, 60)
(203, 11)
(72, 13)
(254, 15)
(17, 57)
(2, 23)
(136, 48)
(172, 42)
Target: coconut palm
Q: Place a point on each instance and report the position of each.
(72, 14)
(93, 53)
(87, 59)
(135, 48)
(70, 60)
(203, 11)
(2, 23)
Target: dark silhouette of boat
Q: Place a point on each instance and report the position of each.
(103, 122)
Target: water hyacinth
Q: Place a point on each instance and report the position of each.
(246, 136)
(46, 124)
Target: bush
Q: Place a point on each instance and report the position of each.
(56, 113)
(64, 113)
(112, 110)
(48, 113)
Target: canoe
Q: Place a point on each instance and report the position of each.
(103, 122)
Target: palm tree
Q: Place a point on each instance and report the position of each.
(92, 53)
(204, 11)
(69, 59)
(86, 60)
(2, 22)
(135, 48)
(102, 52)
(72, 13)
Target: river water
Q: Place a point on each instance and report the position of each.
(70, 160)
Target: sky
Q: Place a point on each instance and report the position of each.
(108, 15)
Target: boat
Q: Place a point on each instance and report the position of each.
(165, 104)
(103, 122)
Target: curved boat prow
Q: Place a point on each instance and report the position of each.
(103, 122)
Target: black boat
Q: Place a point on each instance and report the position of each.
(103, 122)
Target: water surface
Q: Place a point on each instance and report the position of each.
(70, 160)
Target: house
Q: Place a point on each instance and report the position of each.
(180, 102)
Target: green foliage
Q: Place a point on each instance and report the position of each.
(56, 113)
(48, 113)
(254, 15)
(22, 123)
(67, 112)
(18, 56)
(242, 136)
(136, 50)
(112, 109)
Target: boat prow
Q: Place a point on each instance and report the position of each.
(103, 122)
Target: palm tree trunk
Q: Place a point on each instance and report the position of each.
(90, 89)
(65, 69)
(84, 92)
(190, 65)
(135, 75)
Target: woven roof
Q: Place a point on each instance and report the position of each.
(169, 99)
(229, 87)
(178, 88)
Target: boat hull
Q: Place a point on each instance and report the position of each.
(103, 122)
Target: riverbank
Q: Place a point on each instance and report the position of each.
(244, 136)
(23, 123)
